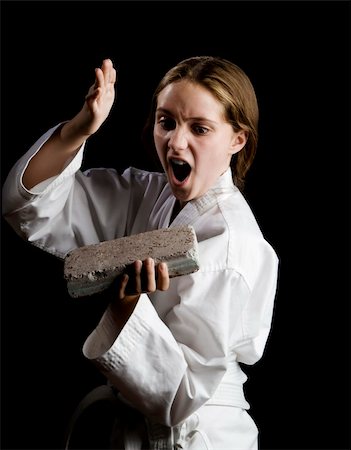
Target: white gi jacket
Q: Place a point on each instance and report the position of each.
(177, 358)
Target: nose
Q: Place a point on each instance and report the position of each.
(178, 139)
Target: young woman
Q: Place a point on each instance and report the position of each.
(172, 354)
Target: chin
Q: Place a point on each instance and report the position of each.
(182, 197)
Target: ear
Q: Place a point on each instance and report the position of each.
(238, 141)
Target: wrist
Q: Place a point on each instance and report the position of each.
(71, 136)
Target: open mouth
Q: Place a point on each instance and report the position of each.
(181, 169)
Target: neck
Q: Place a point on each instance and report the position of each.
(178, 206)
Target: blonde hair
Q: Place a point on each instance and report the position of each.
(232, 87)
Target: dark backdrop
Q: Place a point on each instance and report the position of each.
(297, 55)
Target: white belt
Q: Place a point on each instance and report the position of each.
(229, 394)
(160, 436)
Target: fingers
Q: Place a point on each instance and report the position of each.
(105, 78)
(109, 72)
(162, 277)
(149, 275)
(144, 277)
(96, 88)
(138, 265)
(155, 277)
(134, 284)
(99, 78)
(123, 286)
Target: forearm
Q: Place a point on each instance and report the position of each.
(50, 160)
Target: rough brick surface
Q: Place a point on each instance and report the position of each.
(92, 268)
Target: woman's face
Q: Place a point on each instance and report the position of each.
(193, 139)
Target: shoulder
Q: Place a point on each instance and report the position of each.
(237, 214)
(234, 240)
(248, 250)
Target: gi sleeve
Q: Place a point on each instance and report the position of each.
(69, 210)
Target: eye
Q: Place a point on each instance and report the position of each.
(167, 124)
(198, 129)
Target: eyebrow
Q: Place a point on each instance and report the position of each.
(200, 119)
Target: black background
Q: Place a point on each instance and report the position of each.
(297, 55)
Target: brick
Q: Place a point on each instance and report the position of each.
(93, 268)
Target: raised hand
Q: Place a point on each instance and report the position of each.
(67, 139)
(98, 101)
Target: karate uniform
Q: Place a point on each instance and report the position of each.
(176, 360)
